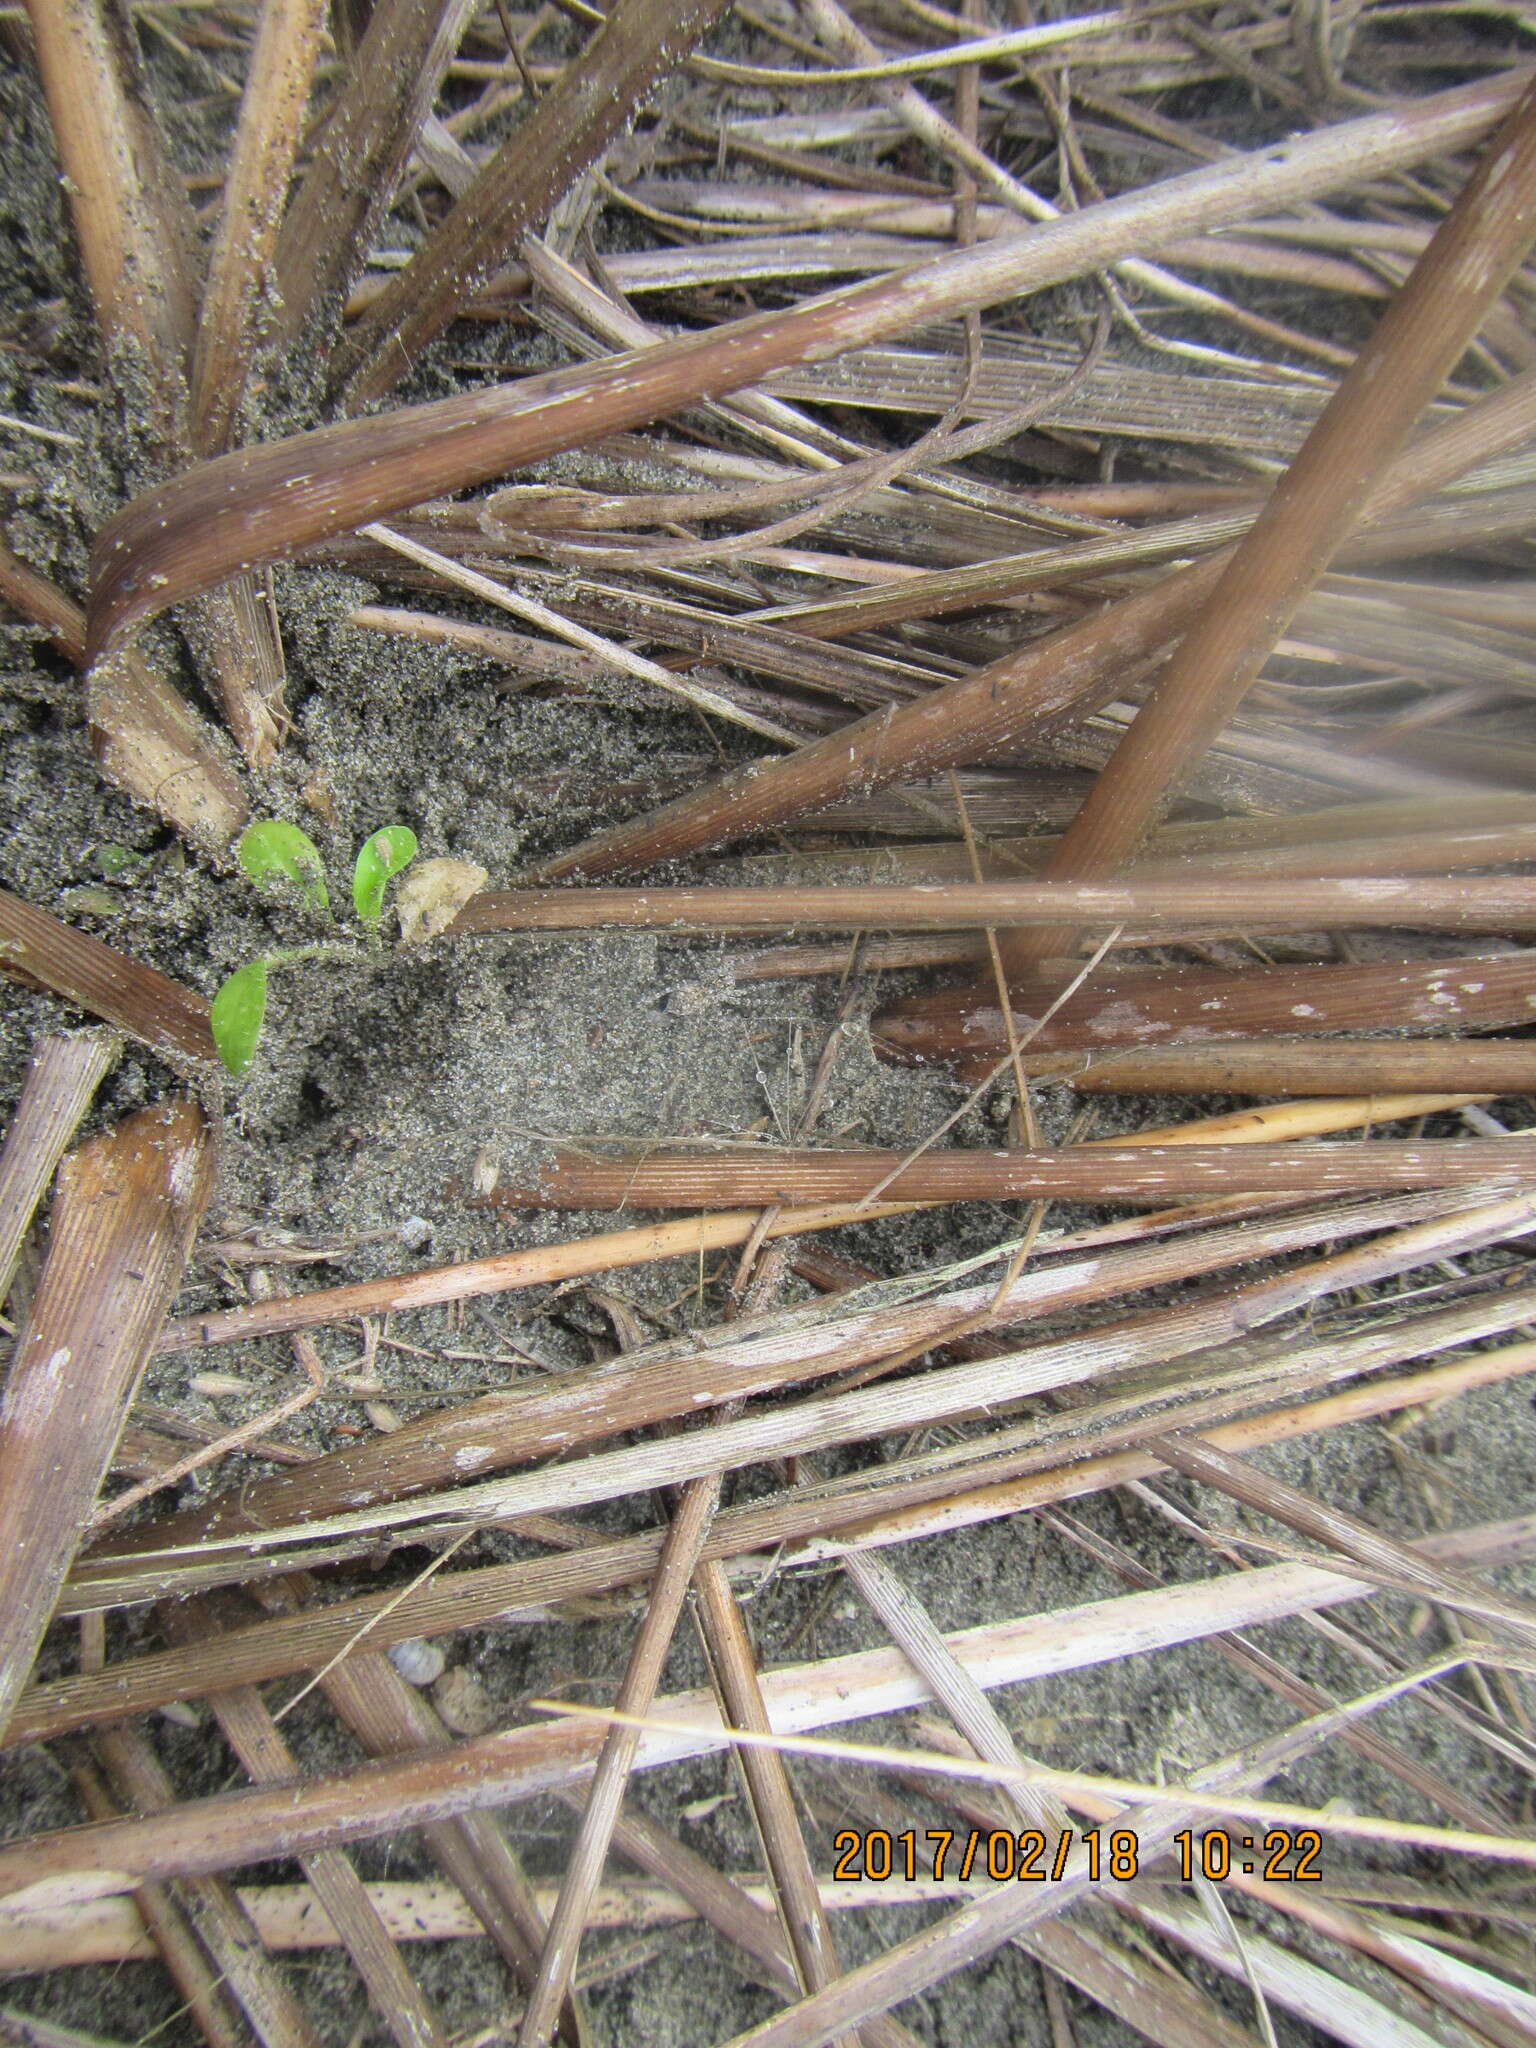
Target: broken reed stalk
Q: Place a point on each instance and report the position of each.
(1468, 993)
(753, 1173)
(818, 1421)
(158, 1919)
(62, 1077)
(258, 1743)
(233, 1829)
(282, 60)
(838, 1518)
(750, 1357)
(681, 1549)
(1294, 1066)
(1312, 509)
(1020, 695)
(541, 1265)
(128, 1207)
(391, 1718)
(36, 948)
(1476, 903)
(567, 129)
(267, 503)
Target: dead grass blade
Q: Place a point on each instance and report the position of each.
(264, 503)
(828, 1525)
(250, 1826)
(1314, 507)
(62, 1077)
(38, 949)
(254, 1737)
(754, 1357)
(1296, 1066)
(354, 171)
(1485, 902)
(752, 1173)
(128, 1206)
(568, 129)
(255, 192)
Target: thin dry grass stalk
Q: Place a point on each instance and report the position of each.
(820, 1421)
(750, 1357)
(1313, 508)
(568, 129)
(238, 1828)
(128, 1206)
(36, 948)
(265, 503)
(62, 1076)
(827, 1526)
(1096, 1173)
(1295, 1066)
(287, 41)
(1022, 695)
(1481, 903)
(253, 1735)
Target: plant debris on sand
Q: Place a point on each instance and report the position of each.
(876, 1387)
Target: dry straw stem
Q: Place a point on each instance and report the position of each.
(1468, 993)
(264, 503)
(277, 86)
(253, 1735)
(541, 1266)
(62, 1077)
(251, 1826)
(1314, 506)
(164, 1930)
(681, 1550)
(906, 1505)
(1021, 694)
(1295, 1066)
(1481, 903)
(39, 950)
(598, 92)
(210, 1903)
(128, 1206)
(390, 1718)
(1094, 1173)
(750, 1357)
(820, 1421)
(355, 169)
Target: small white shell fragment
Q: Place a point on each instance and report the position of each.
(417, 1661)
(463, 1702)
(216, 1383)
(415, 1233)
(430, 897)
(485, 1172)
(183, 1713)
(382, 1416)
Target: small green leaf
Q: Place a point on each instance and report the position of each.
(380, 858)
(237, 1014)
(113, 860)
(272, 851)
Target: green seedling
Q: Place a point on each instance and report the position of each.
(379, 860)
(275, 854)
